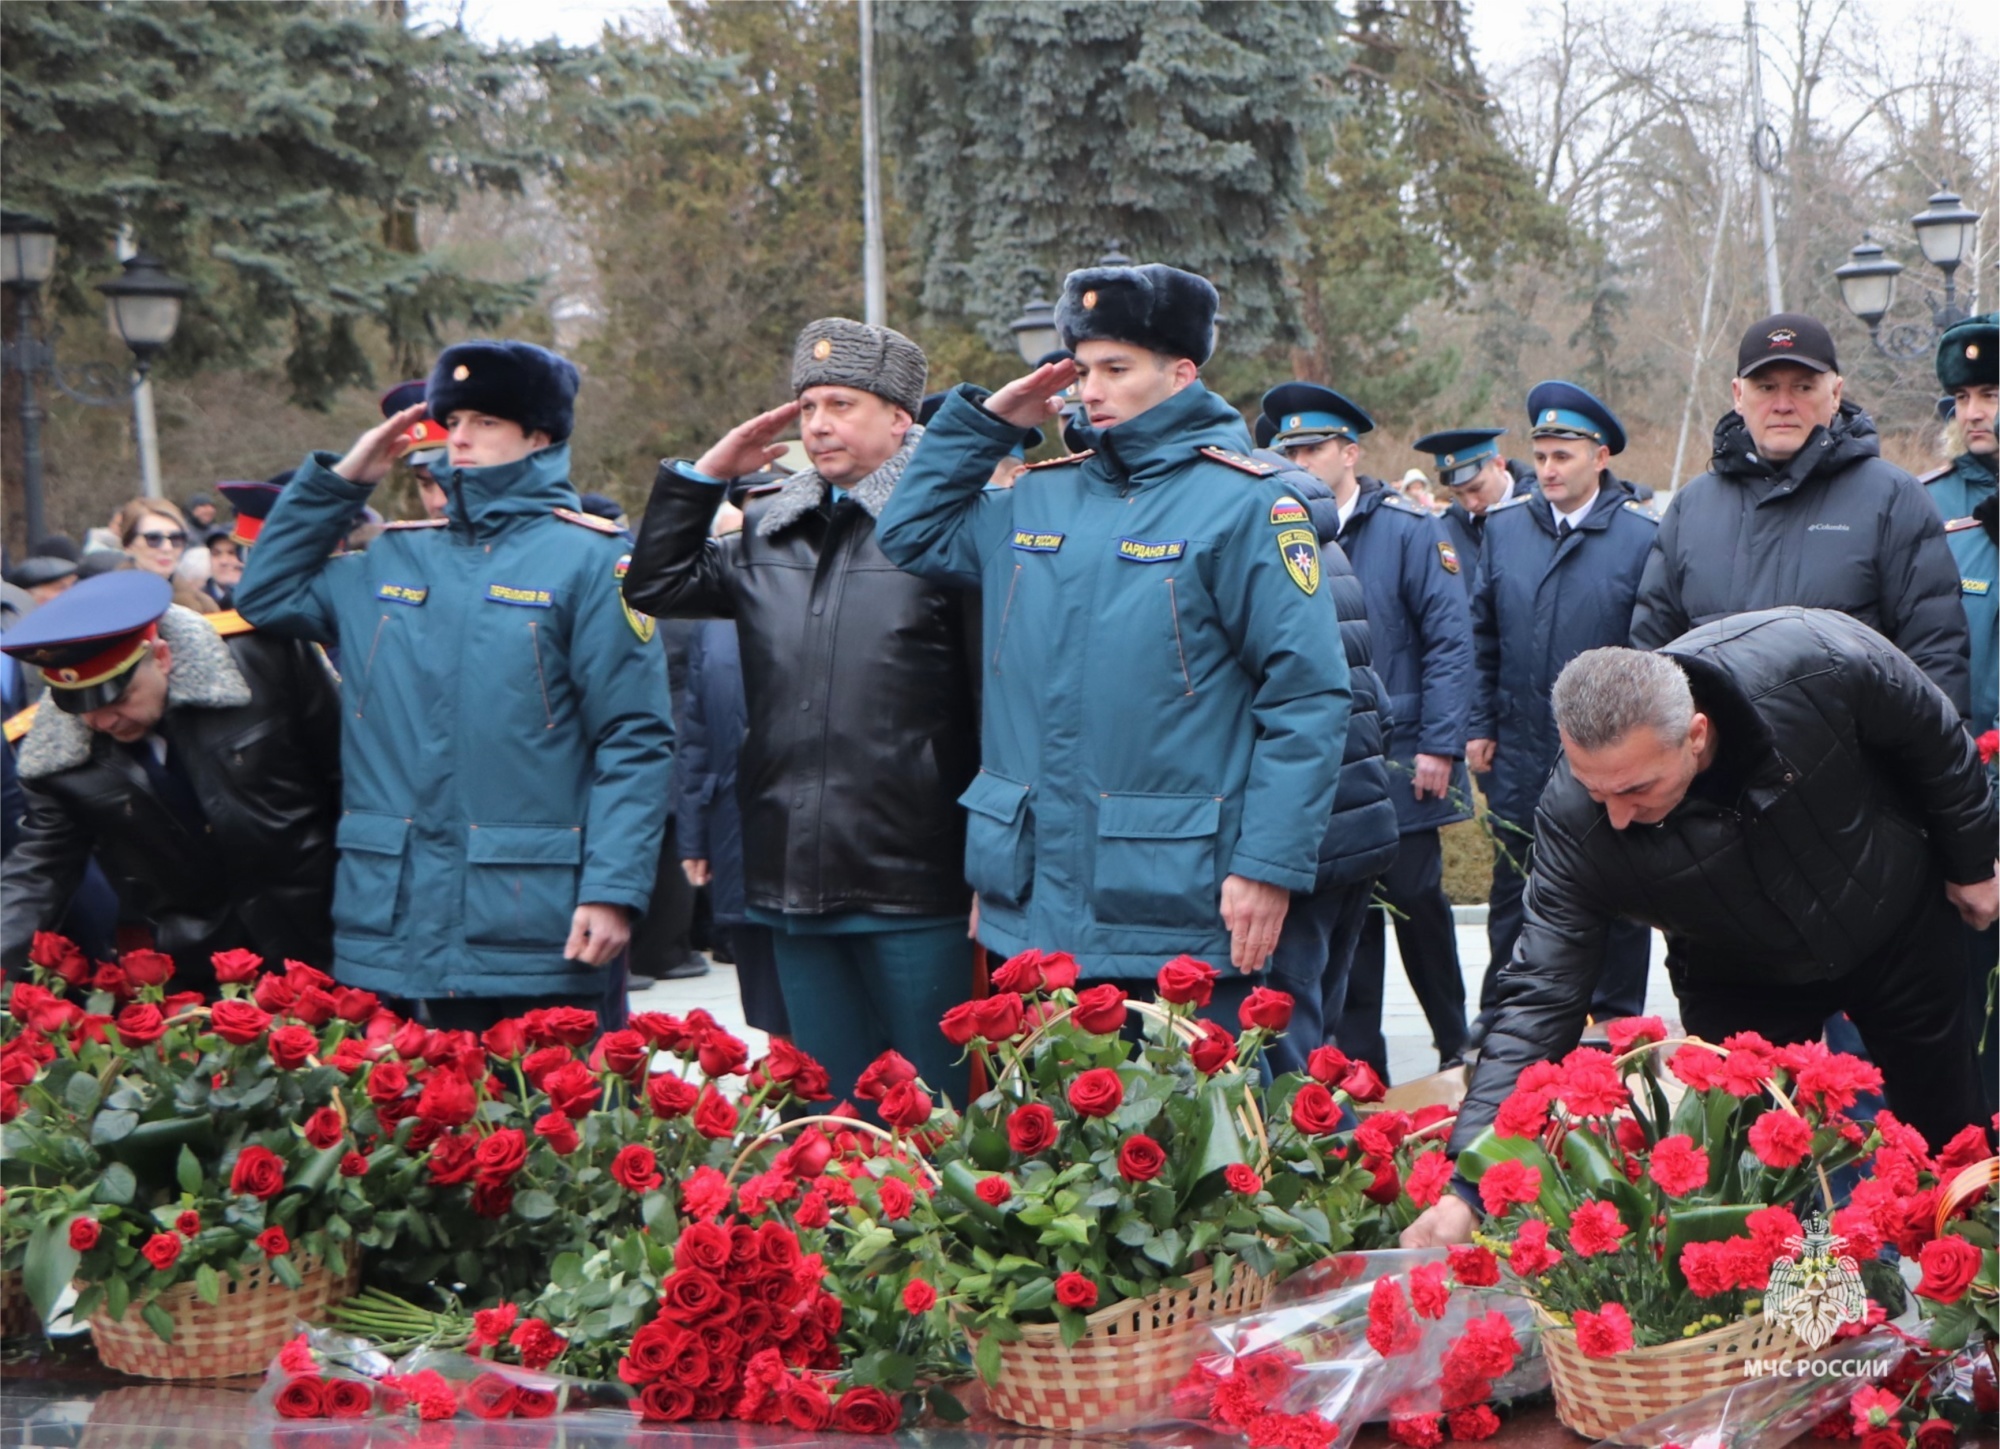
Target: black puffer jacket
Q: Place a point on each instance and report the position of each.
(1361, 838)
(254, 725)
(863, 721)
(1862, 796)
(1836, 527)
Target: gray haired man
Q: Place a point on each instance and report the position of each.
(863, 729)
(1798, 808)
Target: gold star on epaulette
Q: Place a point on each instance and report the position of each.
(1237, 461)
(586, 520)
(1058, 462)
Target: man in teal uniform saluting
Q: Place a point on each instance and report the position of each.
(1165, 692)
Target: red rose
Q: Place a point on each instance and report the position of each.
(354, 1164)
(670, 1096)
(1100, 1009)
(501, 1155)
(1603, 1334)
(1187, 982)
(1214, 1049)
(636, 1168)
(1020, 973)
(572, 1089)
(60, 955)
(919, 1296)
(805, 1404)
(1096, 1093)
(301, 1398)
(140, 1024)
(162, 1250)
(188, 1223)
(237, 1022)
(704, 1246)
(83, 1233)
(1031, 1129)
(387, 1082)
(259, 1172)
(689, 1295)
(1950, 1264)
(1059, 970)
(720, 1054)
(314, 1006)
(1314, 1112)
(891, 1069)
(865, 1409)
(1073, 1290)
(625, 1053)
(447, 1100)
(111, 978)
(1936, 1434)
(451, 1159)
(348, 1399)
(274, 994)
(233, 967)
(714, 1114)
(958, 1024)
(274, 1242)
(1387, 1184)
(1266, 1009)
(490, 1397)
(504, 1040)
(994, 1190)
(999, 1018)
(905, 1105)
(1362, 1084)
(355, 1006)
(1327, 1065)
(567, 1025)
(1140, 1158)
(291, 1045)
(666, 1402)
(1242, 1178)
(324, 1128)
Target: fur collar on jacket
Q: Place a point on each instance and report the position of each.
(204, 676)
(806, 490)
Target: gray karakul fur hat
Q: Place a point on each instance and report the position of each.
(838, 352)
(1155, 306)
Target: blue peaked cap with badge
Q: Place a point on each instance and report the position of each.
(87, 640)
(1460, 452)
(1564, 410)
(1305, 412)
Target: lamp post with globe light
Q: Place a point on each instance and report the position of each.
(143, 307)
(1868, 280)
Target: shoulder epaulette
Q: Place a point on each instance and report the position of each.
(1633, 505)
(230, 623)
(1058, 462)
(17, 724)
(1238, 461)
(1935, 474)
(1512, 501)
(407, 523)
(1392, 499)
(586, 520)
(1959, 525)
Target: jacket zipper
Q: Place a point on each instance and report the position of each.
(1006, 612)
(368, 669)
(535, 642)
(1180, 651)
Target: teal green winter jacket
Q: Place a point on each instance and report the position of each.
(506, 736)
(1956, 491)
(1165, 691)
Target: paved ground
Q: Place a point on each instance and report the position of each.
(1410, 1051)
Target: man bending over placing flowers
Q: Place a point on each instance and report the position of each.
(1799, 809)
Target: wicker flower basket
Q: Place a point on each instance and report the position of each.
(17, 1309)
(240, 1334)
(1599, 1397)
(1126, 1364)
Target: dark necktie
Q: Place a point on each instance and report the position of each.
(171, 785)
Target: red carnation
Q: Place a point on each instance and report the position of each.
(1531, 1256)
(1630, 1032)
(1508, 1182)
(539, 1344)
(1265, 1009)
(1096, 1093)
(1392, 1329)
(1187, 982)
(1428, 1293)
(1417, 1431)
(1140, 1158)
(1595, 1228)
(1473, 1424)
(1474, 1266)
(1100, 1009)
(1678, 1166)
(1430, 1175)
(1780, 1139)
(1605, 1333)
(1031, 1129)
(1073, 1290)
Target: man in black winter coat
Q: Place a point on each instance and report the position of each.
(1798, 808)
(203, 772)
(1800, 507)
(863, 721)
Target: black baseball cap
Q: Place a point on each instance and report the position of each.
(1787, 337)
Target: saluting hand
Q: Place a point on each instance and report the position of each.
(1028, 402)
(374, 452)
(748, 447)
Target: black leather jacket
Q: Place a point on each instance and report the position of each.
(863, 717)
(1860, 795)
(256, 870)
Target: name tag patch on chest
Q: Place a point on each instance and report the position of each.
(521, 598)
(1029, 542)
(1141, 550)
(1975, 586)
(411, 594)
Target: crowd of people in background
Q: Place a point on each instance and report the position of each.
(1195, 689)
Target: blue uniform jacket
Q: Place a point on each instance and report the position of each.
(1956, 492)
(1536, 605)
(506, 736)
(1422, 633)
(1165, 697)
(708, 821)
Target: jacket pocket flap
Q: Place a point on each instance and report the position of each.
(995, 796)
(524, 845)
(372, 834)
(1158, 817)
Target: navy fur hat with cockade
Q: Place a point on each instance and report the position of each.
(1154, 306)
(517, 381)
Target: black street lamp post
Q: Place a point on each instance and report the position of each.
(144, 308)
(1868, 280)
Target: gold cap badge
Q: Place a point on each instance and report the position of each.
(460, 373)
(1972, 352)
(1089, 300)
(823, 349)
